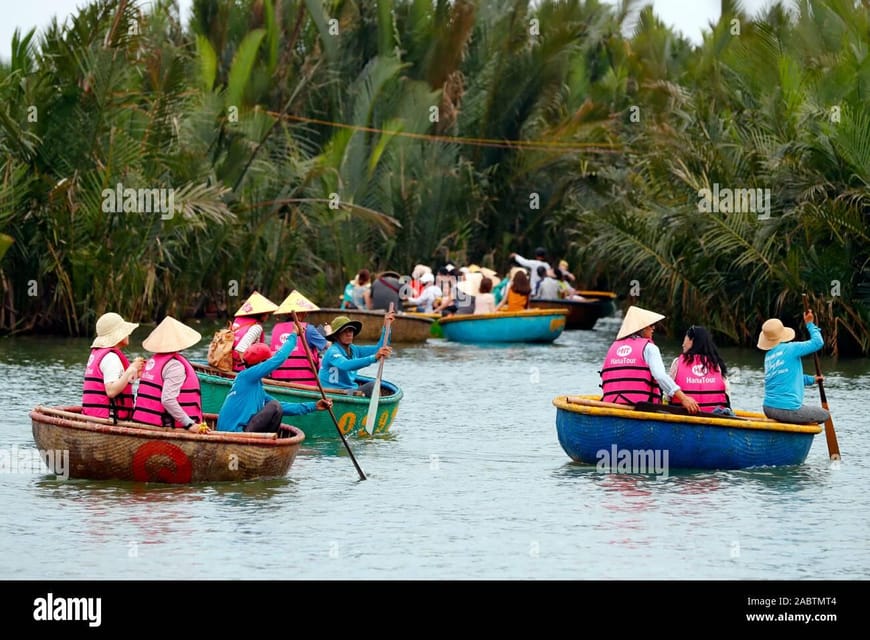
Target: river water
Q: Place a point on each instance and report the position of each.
(471, 484)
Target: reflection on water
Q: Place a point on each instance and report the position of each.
(470, 483)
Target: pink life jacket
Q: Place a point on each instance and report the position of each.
(295, 368)
(149, 407)
(626, 378)
(706, 387)
(241, 326)
(95, 401)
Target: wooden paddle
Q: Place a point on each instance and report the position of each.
(830, 435)
(376, 391)
(301, 336)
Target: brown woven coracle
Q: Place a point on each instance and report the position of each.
(100, 450)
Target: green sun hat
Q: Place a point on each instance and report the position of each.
(342, 322)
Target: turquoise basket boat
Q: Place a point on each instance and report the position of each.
(531, 325)
(593, 432)
(351, 411)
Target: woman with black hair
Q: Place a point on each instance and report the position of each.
(701, 372)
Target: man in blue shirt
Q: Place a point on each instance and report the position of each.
(248, 407)
(341, 361)
(784, 378)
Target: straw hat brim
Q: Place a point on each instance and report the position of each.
(637, 319)
(114, 336)
(766, 344)
(170, 336)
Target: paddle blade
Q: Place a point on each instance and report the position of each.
(373, 411)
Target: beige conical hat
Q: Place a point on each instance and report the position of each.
(471, 284)
(637, 319)
(295, 302)
(170, 336)
(489, 273)
(255, 305)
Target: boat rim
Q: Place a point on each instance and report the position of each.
(746, 419)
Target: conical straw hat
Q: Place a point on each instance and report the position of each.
(170, 336)
(471, 284)
(489, 273)
(255, 305)
(296, 302)
(637, 319)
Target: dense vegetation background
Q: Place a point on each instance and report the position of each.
(305, 139)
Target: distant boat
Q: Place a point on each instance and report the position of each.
(582, 314)
(435, 328)
(530, 325)
(101, 450)
(406, 328)
(351, 411)
(591, 431)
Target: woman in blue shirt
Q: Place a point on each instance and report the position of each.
(343, 359)
(248, 407)
(784, 378)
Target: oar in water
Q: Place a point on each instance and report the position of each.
(376, 391)
(300, 335)
(830, 435)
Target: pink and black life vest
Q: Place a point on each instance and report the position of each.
(241, 326)
(95, 401)
(295, 368)
(626, 378)
(149, 407)
(706, 387)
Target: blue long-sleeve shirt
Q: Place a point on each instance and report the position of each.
(247, 395)
(338, 369)
(784, 377)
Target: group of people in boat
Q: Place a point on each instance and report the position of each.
(633, 372)
(168, 393)
(457, 290)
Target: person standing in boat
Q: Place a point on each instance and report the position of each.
(248, 325)
(532, 265)
(248, 407)
(169, 393)
(701, 372)
(296, 367)
(784, 378)
(343, 358)
(108, 385)
(633, 370)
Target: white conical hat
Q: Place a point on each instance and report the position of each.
(296, 302)
(256, 304)
(637, 319)
(170, 336)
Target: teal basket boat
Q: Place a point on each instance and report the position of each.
(351, 411)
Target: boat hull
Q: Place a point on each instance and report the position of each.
(405, 328)
(599, 434)
(351, 411)
(533, 325)
(582, 314)
(99, 450)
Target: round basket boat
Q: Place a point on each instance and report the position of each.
(98, 449)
